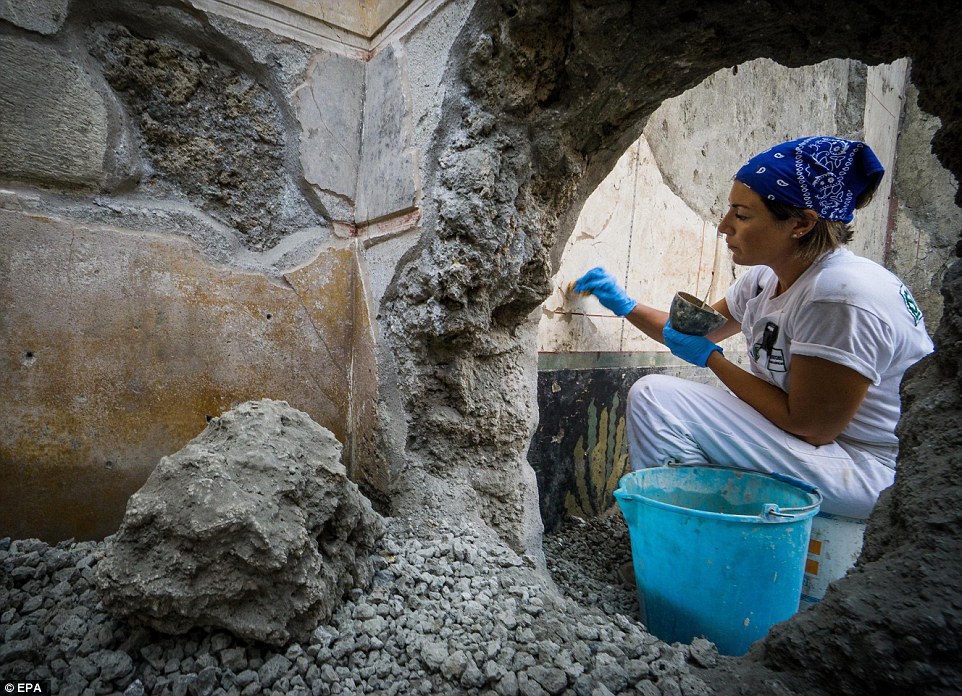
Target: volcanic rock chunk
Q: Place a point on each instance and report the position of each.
(253, 527)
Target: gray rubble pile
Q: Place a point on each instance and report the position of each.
(584, 557)
(253, 526)
(451, 610)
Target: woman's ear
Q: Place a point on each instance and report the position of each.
(804, 224)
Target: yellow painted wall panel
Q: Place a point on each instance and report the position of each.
(116, 346)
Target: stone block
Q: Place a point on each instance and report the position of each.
(116, 347)
(387, 176)
(253, 527)
(329, 108)
(41, 16)
(885, 87)
(425, 58)
(54, 122)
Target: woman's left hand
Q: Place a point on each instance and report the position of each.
(609, 293)
(693, 349)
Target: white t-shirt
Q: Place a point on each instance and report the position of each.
(843, 308)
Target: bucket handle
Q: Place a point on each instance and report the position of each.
(792, 481)
(772, 510)
(769, 509)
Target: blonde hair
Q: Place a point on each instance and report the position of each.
(826, 235)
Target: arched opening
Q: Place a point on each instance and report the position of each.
(651, 223)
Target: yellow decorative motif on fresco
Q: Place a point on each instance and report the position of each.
(599, 464)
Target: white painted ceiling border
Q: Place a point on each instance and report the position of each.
(408, 17)
(315, 32)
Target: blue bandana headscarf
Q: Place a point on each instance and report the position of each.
(820, 173)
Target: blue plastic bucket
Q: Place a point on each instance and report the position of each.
(717, 552)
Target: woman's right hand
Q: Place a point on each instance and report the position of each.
(693, 349)
(610, 294)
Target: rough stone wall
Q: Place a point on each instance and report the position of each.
(207, 131)
(456, 315)
(927, 220)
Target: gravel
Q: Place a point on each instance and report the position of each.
(451, 611)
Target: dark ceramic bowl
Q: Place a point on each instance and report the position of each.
(691, 316)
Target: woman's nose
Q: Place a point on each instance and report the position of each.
(723, 226)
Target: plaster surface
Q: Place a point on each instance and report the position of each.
(330, 107)
(362, 18)
(139, 339)
(41, 16)
(387, 181)
(58, 132)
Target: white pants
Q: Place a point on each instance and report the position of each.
(675, 420)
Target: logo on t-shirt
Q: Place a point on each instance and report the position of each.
(775, 357)
(776, 360)
(911, 304)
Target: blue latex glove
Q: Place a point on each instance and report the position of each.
(609, 293)
(693, 349)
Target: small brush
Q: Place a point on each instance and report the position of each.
(714, 269)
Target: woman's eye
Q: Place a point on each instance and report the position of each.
(740, 217)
